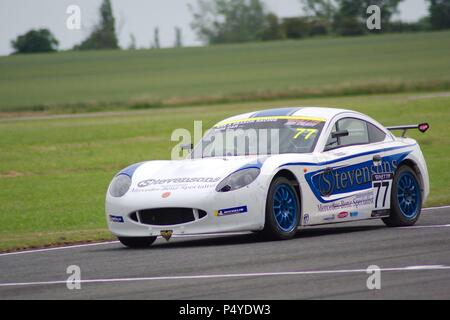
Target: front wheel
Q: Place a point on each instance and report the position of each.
(141, 242)
(282, 210)
(406, 199)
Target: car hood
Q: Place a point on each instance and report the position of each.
(190, 172)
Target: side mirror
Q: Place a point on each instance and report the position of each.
(339, 134)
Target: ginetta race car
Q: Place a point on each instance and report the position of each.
(275, 172)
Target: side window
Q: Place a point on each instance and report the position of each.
(358, 133)
(375, 134)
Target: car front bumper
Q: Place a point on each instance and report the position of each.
(239, 210)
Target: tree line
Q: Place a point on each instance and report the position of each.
(234, 21)
(237, 21)
(102, 36)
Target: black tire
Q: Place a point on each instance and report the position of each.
(272, 228)
(141, 242)
(397, 217)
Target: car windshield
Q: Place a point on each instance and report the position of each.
(260, 136)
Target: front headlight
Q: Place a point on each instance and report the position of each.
(238, 180)
(120, 185)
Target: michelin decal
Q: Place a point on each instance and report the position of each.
(231, 211)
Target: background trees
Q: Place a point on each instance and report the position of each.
(178, 37)
(235, 21)
(439, 14)
(229, 21)
(41, 40)
(104, 34)
(347, 17)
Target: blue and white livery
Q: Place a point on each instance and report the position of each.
(275, 172)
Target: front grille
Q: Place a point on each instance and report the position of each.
(166, 216)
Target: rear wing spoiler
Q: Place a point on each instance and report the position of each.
(423, 127)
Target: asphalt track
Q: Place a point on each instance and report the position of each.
(327, 262)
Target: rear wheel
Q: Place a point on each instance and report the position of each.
(282, 210)
(406, 199)
(141, 242)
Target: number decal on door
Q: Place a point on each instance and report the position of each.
(378, 186)
(382, 190)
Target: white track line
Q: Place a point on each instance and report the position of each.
(232, 275)
(175, 236)
(435, 208)
(427, 227)
(58, 248)
(116, 242)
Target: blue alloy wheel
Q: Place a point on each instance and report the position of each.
(408, 195)
(285, 207)
(406, 198)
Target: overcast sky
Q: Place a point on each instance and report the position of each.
(138, 17)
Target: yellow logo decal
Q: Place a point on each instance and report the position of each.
(166, 234)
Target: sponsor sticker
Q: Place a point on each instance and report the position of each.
(172, 181)
(354, 214)
(166, 195)
(364, 199)
(166, 234)
(306, 219)
(343, 215)
(329, 218)
(345, 179)
(116, 219)
(382, 176)
(381, 213)
(230, 211)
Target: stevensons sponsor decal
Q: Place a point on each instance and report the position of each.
(173, 184)
(230, 211)
(351, 178)
(150, 182)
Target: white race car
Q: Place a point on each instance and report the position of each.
(281, 170)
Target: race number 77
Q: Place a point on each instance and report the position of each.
(378, 186)
(309, 132)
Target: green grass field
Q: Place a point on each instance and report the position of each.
(54, 173)
(74, 81)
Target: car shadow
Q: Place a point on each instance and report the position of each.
(249, 238)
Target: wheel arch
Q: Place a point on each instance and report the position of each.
(413, 165)
(288, 174)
